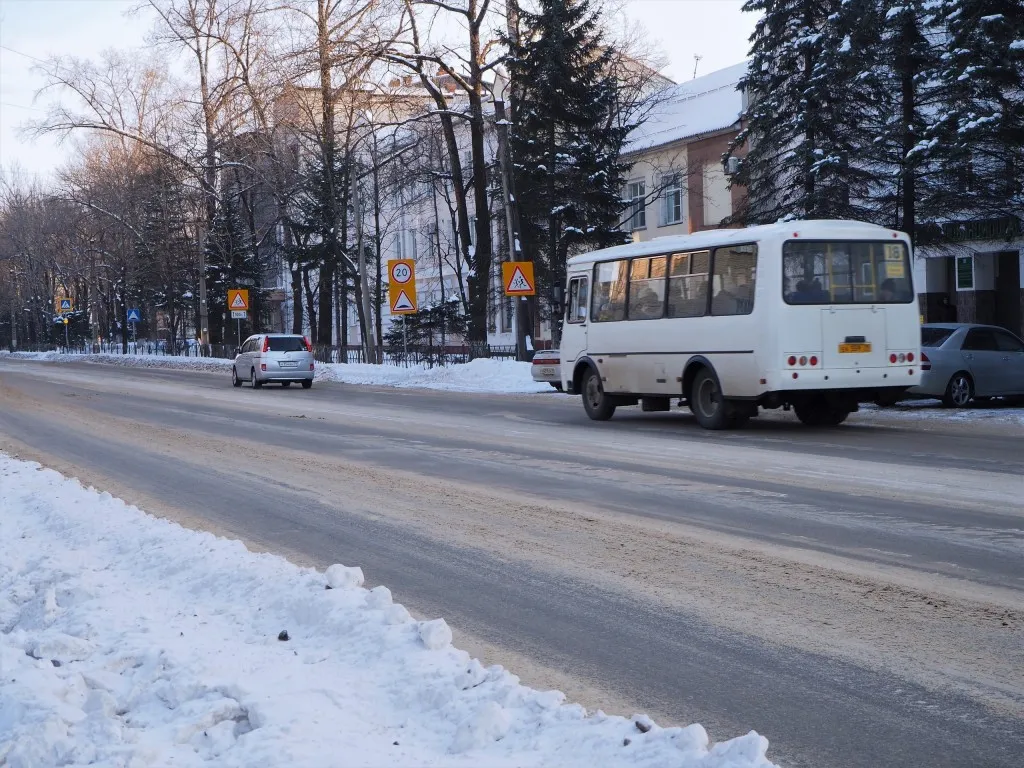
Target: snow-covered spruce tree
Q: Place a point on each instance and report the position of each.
(566, 137)
(981, 133)
(901, 68)
(801, 129)
(230, 263)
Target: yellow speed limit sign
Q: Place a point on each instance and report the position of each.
(402, 286)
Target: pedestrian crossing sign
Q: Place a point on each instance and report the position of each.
(64, 304)
(238, 299)
(517, 276)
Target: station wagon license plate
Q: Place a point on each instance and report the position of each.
(854, 349)
(289, 364)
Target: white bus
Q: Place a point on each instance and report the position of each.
(816, 316)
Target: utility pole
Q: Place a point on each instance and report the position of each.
(521, 313)
(369, 345)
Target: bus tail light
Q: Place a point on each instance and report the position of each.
(803, 360)
(814, 360)
(792, 360)
(892, 358)
(910, 357)
(926, 364)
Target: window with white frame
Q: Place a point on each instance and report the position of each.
(672, 199)
(405, 243)
(636, 198)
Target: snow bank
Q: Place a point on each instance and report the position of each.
(933, 409)
(482, 375)
(180, 363)
(128, 640)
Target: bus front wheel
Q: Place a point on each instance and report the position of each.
(712, 409)
(595, 402)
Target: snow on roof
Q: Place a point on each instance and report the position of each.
(702, 105)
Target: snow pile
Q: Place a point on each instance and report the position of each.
(128, 640)
(174, 362)
(481, 375)
(995, 411)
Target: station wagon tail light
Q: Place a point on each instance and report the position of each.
(311, 366)
(266, 344)
(926, 364)
(309, 347)
(263, 366)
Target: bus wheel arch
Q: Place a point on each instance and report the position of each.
(703, 391)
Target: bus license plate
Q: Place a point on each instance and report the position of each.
(854, 349)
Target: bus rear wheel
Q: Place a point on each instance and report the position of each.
(595, 402)
(712, 409)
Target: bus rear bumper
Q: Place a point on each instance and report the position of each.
(852, 385)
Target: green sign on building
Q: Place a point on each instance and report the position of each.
(964, 273)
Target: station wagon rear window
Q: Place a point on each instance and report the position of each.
(846, 272)
(287, 344)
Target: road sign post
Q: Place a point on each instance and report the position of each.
(238, 303)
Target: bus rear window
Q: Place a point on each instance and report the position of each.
(846, 272)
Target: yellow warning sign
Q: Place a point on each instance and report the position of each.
(238, 298)
(402, 286)
(517, 277)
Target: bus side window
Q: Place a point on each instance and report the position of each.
(578, 300)
(735, 271)
(609, 291)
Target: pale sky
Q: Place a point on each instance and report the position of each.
(715, 30)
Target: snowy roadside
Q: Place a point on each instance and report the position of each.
(482, 375)
(129, 640)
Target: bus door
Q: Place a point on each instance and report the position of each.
(574, 332)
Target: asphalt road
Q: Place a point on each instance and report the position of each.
(855, 594)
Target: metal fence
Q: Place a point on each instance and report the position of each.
(430, 356)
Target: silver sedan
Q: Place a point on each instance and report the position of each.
(962, 361)
(546, 367)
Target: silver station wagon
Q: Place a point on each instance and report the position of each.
(274, 358)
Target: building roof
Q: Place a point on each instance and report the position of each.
(703, 105)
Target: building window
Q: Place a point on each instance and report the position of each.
(636, 199)
(405, 243)
(717, 196)
(672, 199)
